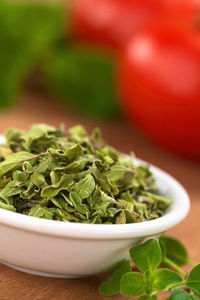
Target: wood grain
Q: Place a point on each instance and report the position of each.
(40, 108)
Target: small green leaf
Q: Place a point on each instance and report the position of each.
(118, 171)
(13, 134)
(20, 176)
(179, 294)
(85, 187)
(74, 152)
(163, 278)
(121, 218)
(105, 183)
(7, 206)
(173, 250)
(77, 203)
(78, 132)
(52, 190)
(13, 162)
(193, 280)
(146, 256)
(11, 189)
(112, 285)
(40, 212)
(132, 284)
(38, 179)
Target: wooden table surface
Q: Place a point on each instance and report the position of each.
(35, 108)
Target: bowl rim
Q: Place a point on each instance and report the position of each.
(177, 212)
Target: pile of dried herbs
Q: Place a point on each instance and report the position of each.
(74, 178)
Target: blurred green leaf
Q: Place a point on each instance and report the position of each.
(112, 285)
(83, 78)
(179, 257)
(26, 32)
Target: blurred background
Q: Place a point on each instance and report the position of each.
(130, 67)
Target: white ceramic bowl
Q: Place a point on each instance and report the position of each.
(59, 249)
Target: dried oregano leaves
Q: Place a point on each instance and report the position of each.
(74, 178)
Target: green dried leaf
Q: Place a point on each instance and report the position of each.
(52, 190)
(11, 189)
(7, 206)
(74, 152)
(14, 161)
(40, 212)
(38, 179)
(78, 132)
(77, 203)
(85, 187)
(74, 178)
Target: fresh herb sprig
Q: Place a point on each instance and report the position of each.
(151, 278)
(74, 178)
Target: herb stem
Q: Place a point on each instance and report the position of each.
(175, 266)
(173, 286)
(33, 157)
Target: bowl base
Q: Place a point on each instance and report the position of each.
(37, 273)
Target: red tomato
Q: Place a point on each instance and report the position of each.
(112, 22)
(159, 78)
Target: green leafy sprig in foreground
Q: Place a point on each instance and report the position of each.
(74, 178)
(150, 278)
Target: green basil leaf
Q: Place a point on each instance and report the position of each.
(146, 256)
(173, 250)
(163, 278)
(132, 284)
(112, 285)
(179, 294)
(193, 280)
